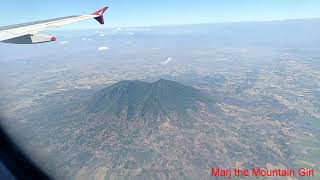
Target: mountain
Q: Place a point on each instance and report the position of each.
(159, 130)
(137, 100)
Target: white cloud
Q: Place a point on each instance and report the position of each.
(86, 39)
(64, 42)
(169, 59)
(103, 48)
(99, 32)
(117, 30)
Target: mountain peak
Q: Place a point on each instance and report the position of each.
(143, 100)
(162, 81)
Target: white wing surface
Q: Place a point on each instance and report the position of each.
(28, 33)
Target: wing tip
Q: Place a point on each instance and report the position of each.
(101, 11)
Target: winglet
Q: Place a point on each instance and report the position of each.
(100, 13)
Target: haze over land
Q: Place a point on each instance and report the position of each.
(167, 102)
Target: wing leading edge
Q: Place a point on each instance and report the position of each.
(28, 33)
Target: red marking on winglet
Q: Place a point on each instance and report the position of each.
(53, 39)
(101, 11)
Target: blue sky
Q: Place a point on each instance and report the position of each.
(129, 13)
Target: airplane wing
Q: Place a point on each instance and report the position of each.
(28, 33)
